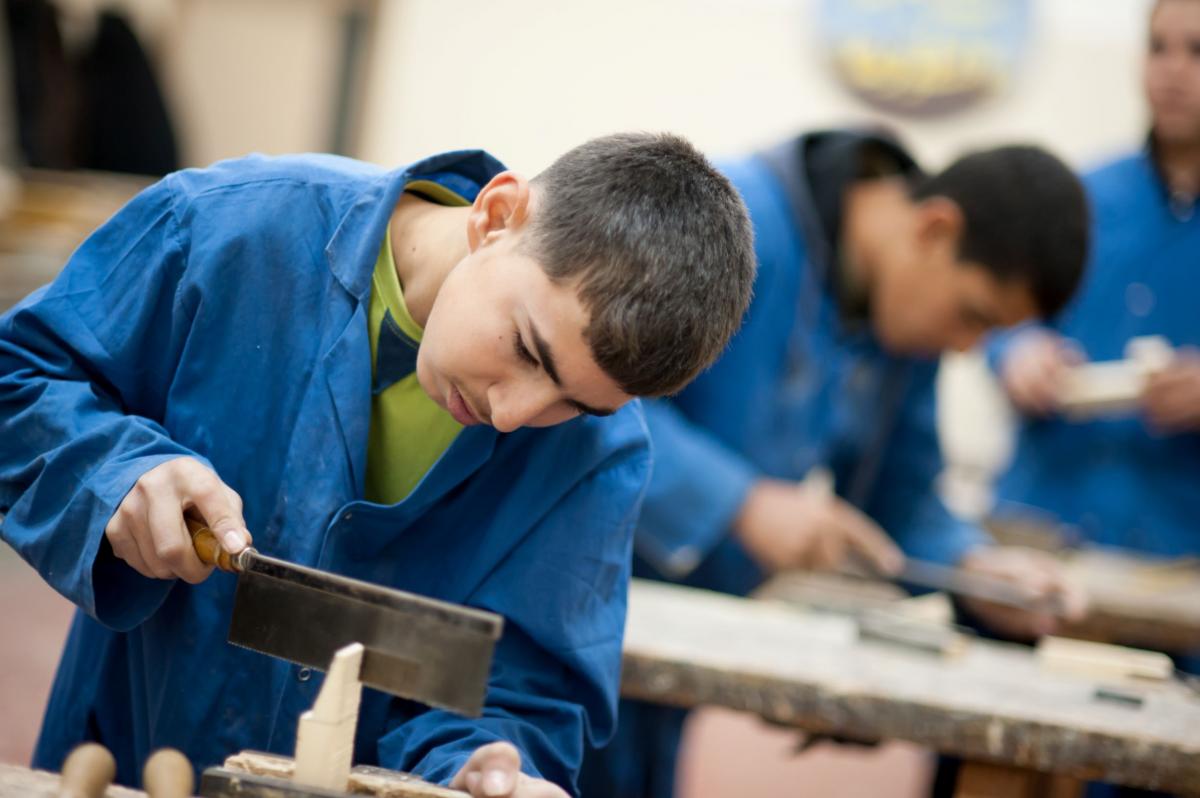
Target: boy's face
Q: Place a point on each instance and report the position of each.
(925, 300)
(503, 344)
(1172, 70)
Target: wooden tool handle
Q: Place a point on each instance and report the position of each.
(208, 548)
(168, 774)
(88, 771)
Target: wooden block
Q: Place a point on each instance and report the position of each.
(1100, 389)
(1102, 661)
(325, 736)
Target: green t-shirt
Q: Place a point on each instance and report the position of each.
(409, 431)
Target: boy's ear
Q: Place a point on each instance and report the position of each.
(939, 219)
(503, 204)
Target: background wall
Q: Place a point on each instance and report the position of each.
(530, 78)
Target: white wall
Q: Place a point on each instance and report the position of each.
(531, 78)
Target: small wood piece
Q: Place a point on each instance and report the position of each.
(325, 736)
(168, 774)
(87, 772)
(1102, 661)
(1113, 387)
(896, 629)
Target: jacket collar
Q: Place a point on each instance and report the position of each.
(354, 246)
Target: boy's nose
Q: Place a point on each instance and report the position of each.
(516, 406)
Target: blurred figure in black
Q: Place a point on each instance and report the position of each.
(99, 109)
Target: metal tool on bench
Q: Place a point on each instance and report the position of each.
(958, 582)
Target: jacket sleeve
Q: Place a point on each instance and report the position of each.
(556, 671)
(697, 486)
(904, 500)
(84, 365)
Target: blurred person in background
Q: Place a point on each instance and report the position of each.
(1130, 482)
(97, 105)
(868, 269)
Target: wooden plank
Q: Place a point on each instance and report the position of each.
(364, 780)
(992, 704)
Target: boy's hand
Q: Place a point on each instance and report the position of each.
(1034, 369)
(1172, 396)
(1040, 576)
(148, 531)
(790, 525)
(494, 771)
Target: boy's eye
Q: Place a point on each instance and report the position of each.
(523, 352)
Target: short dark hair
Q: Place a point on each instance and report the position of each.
(1026, 218)
(661, 247)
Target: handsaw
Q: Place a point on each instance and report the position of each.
(419, 648)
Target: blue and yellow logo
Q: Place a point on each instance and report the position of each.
(925, 56)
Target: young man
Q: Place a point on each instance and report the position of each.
(1128, 482)
(419, 378)
(867, 270)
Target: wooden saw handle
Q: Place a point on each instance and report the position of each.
(88, 771)
(208, 548)
(168, 774)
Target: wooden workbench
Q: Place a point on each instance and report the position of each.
(991, 705)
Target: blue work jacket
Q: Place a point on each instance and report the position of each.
(222, 315)
(1116, 480)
